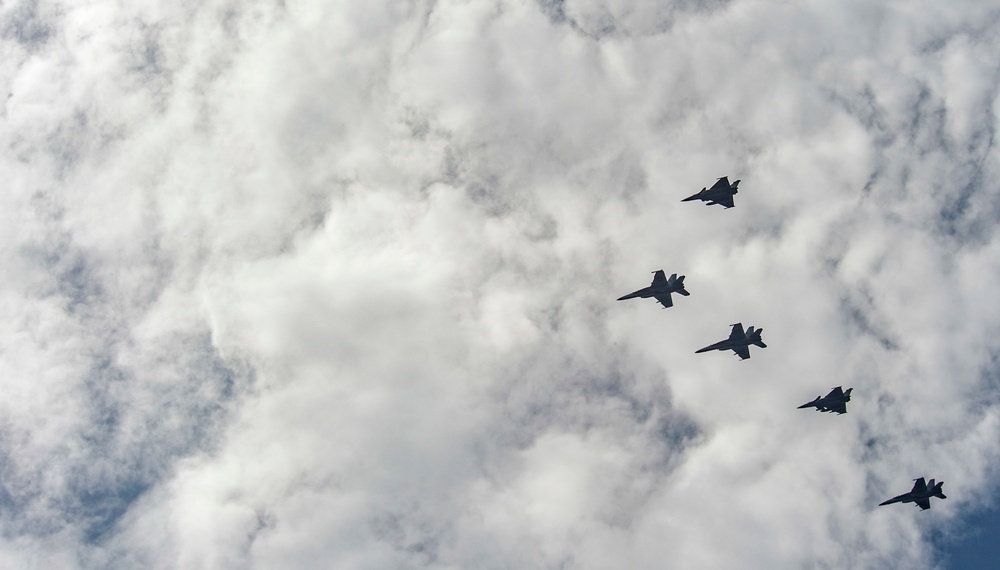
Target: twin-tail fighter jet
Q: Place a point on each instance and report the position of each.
(660, 289)
(835, 401)
(920, 494)
(738, 341)
(721, 192)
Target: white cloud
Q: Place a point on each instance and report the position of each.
(331, 284)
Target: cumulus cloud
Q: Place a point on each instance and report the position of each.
(330, 284)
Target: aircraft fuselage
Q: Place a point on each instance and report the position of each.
(725, 345)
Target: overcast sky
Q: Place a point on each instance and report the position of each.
(331, 284)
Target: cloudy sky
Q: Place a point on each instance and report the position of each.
(330, 284)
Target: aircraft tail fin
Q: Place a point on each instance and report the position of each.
(682, 290)
(756, 340)
(735, 184)
(936, 491)
(847, 392)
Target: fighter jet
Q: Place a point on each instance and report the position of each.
(835, 401)
(660, 289)
(720, 193)
(738, 341)
(920, 494)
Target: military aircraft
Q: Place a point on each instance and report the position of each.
(920, 494)
(835, 401)
(738, 341)
(721, 192)
(660, 289)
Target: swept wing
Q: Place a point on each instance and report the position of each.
(664, 299)
(721, 184)
(737, 332)
(743, 351)
(726, 201)
(839, 407)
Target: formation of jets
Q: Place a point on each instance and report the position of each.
(739, 341)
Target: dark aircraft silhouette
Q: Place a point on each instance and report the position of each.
(920, 494)
(661, 289)
(738, 341)
(835, 401)
(721, 192)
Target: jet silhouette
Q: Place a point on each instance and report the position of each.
(721, 192)
(920, 494)
(835, 401)
(738, 341)
(660, 289)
